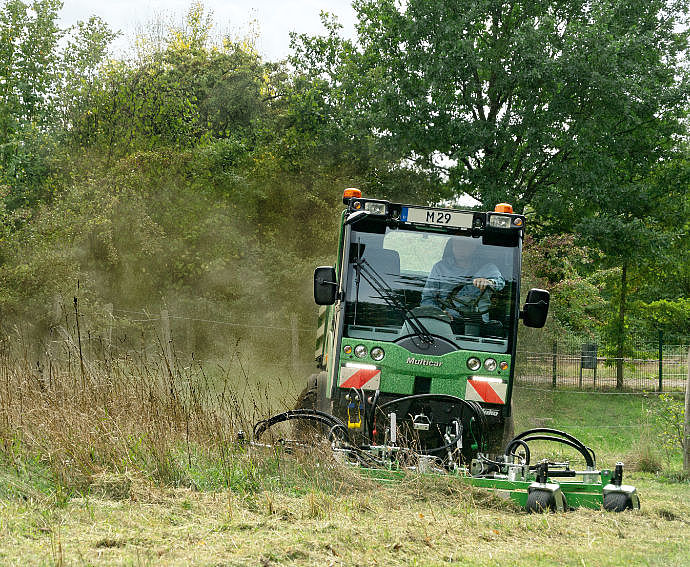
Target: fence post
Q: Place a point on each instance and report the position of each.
(686, 429)
(554, 365)
(167, 336)
(81, 356)
(109, 336)
(295, 343)
(661, 360)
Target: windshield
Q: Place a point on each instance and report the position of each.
(455, 286)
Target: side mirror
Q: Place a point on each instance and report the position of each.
(325, 286)
(536, 308)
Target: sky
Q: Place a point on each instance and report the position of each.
(275, 18)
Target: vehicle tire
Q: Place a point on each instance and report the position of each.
(508, 431)
(540, 501)
(500, 435)
(311, 398)
(308, 397)
(617, 502)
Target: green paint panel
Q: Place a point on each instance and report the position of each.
(448, 372)
(396, 383)
(520, 498)
(577, 495)
(595, 501)
(450, 387)
(575, 487)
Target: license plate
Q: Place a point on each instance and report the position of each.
(436, 217)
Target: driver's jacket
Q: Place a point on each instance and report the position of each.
(446, 275)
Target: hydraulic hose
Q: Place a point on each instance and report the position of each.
(551, 431)
(439, 449)
(551, 435)
(326, 419)
(513, 445)
(473, 406)
(578, 448)
(371, 416)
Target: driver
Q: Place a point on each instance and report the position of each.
(460, 265)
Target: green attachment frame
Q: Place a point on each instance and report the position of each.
(578, 494)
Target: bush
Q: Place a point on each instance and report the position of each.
(668, 416)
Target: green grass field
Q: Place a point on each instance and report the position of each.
(287, 510)
(615, 426)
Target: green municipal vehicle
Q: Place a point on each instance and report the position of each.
(415, 352)
(385, 327)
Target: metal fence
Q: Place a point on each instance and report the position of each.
(585, 366)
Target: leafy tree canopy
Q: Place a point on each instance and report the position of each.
(514, 100)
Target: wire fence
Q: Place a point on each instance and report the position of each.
(282, 343)
(566, 364)
(584, 366)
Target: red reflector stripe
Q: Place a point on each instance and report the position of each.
(359, 378)
(486, 392)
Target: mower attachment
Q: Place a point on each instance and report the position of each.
(544, 486)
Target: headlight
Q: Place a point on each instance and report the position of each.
(499, 221)
(490, 364)
(360, 351)
(375, 208)
(473, 363)
(377, 353)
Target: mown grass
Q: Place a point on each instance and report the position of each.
(136, 462)
(415, 522)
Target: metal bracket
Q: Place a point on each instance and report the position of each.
(421, 422)
(393, 428)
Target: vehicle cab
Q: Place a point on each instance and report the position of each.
(422, 301)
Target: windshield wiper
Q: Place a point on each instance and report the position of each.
(374, 279)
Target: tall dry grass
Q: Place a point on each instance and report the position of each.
(74, 417)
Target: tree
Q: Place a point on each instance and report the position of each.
(567, 109)
(42, 89)
(556, 263)
(28, 70)
(28, 62)
(509, 99)
(631, 226)
(181, 89)
(81, 61)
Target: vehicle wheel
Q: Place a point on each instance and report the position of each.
(499, 436)
(308, 397)
(617, 502)
(539, 501)
(508, 431)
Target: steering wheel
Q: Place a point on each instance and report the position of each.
(469, 304)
